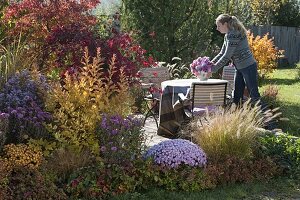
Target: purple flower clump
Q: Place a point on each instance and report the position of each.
(116, 123)
(22, 98)
(176, 152)
(120, 138)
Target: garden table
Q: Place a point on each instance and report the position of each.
(171, 112)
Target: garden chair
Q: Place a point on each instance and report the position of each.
(204, 98)
(151, 79)
(228, 74)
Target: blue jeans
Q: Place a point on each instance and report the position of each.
(246, 77)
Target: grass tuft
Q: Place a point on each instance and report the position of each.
(231, 132)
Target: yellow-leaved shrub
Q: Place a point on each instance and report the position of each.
(117, 98)
(21, 155)
(265, 53)
(78, 104)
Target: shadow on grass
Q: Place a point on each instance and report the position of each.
(291, 112)
(279, 81)
(281, 188)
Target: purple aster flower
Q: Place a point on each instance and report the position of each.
(20, 116)
(104, 122)
(4, 115)
(103, 149)
(114, 132)
(117, 119)
(114, 148)
(126, 124)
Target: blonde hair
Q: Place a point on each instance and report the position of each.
(233, 23)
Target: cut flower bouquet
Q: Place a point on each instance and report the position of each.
(201, 66)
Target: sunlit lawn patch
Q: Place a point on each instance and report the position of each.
(288, 97)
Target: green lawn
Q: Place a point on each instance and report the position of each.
(282, 188)
(288, 82)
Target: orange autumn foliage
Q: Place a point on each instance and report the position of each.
(265, 53)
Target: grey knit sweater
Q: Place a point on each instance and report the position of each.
(235, 48)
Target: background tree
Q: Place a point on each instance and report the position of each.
(263, 11)
(288, 14)
(3, 4)
(170, 28)
(238, 8)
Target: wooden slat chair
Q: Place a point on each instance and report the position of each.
(151, 79)
(207, 97)
(204, 98)
(228, 75)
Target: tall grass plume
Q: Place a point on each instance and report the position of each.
(231, 132)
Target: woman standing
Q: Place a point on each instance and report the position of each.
(236, 49)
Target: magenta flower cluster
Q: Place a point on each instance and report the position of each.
(201, 64)
(176, 152)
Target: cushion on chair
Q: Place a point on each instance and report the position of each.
(200, 111)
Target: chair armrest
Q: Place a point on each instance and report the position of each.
(184, 100)
(182, 97)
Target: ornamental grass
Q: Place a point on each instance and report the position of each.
(230, 132)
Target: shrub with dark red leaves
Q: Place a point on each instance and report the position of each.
(62, 29)
(52, 24)
(128, 53)
(64, 47)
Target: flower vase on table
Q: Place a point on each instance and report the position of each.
(202, 76)
(201, 67)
